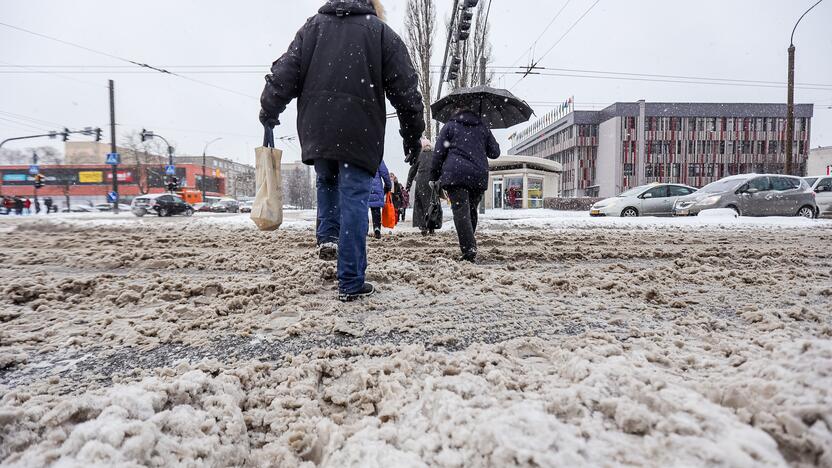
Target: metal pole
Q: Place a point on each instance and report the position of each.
(790, 116)
(482, 83)
(113, 148)
(203, 173)
(35, 187)
(455, 11)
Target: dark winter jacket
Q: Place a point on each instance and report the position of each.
(460, 157)
(381, 185)
(340, 66)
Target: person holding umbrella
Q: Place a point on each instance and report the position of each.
(460, 162)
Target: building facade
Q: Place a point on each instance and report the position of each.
(820, 161)
(89, 184)
(604, 153)
(240, 178)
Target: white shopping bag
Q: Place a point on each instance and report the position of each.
(267, 211)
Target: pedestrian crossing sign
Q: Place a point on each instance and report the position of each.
(113, 159)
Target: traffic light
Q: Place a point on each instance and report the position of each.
(38, 181)
(453, 70)
(146, 135)
(66, 134)
(97, 134)
(173, 184)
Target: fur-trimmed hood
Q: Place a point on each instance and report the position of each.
(354, 7)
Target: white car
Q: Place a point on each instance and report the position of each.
(646, 200)
(822, 186)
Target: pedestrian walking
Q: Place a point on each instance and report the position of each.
(8, 205)
(27, 206)
(19, 205)
(397, 196)
(49, 203)
(342, 65)
(418, 185)
(460, 165)
(381, 186)
(405, 205)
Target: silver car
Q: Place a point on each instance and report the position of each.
(752, 195)
(646, 200)
(822, 187)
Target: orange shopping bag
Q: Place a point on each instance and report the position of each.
(388, 213)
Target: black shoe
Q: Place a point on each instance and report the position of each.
(469, 257)
(377, 234)
(328, 252)
(366, 291)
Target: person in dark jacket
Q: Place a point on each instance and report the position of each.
(460, 164)
(418, 184)
(381, 186)
(341, 66)
(397, 195)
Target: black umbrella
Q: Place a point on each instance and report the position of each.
(498, 108)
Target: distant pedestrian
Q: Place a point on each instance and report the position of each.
(49, 203)
(397, 195)
(343, 66)
(418, 180)
(27, 206)
(19, 205)
(405, 205)
(460, 164)
(37, 206)
(8, 205)
(380, 187)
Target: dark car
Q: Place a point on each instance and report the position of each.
(226, 206)
(162, 204)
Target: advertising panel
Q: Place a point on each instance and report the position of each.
(90, 177)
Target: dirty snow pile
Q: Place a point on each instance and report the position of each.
(614, 346)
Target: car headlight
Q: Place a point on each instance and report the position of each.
(712, 200)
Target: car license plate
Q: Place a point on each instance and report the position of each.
(595, 212)
(682, 212)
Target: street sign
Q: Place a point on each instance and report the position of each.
(113, 159)
(170, 169)
(34, 169)
(112, 197)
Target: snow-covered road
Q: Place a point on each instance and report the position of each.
(576, 342)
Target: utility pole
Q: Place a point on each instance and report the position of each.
(454, 14)
(113, 149)
(790, 105)
(36, 204)
(482, 83)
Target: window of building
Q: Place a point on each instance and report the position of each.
(710, 169)
(692, 125)
(535, 192)
(648, 171)
(677, 170)
(694, 170)
(628, 169)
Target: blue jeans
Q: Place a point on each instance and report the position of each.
(343, 194)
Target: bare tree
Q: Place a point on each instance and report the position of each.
(471, 51)
(143, 157)
(420, 23)
(47, 155)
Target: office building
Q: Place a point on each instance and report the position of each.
(604, 153)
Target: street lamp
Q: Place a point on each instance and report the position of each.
(790, 106)
(204, 151)
(149, 135)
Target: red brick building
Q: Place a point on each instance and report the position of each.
(85, 184)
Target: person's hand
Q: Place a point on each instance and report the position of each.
(268, 120)
(412, 157)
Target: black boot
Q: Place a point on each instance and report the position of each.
(366, 291)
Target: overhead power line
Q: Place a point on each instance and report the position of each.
(545, 30)
(134, 62)
(575, 24)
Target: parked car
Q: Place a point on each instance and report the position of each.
(226, 206)
(246, 207)
(163, 204)
(822, 188)
(752, 195)
(202, 207)
(646, 200)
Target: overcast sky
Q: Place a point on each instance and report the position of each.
(734, 39)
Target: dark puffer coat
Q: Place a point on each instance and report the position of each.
(340, 66)
(462, 151)
(381, 185)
